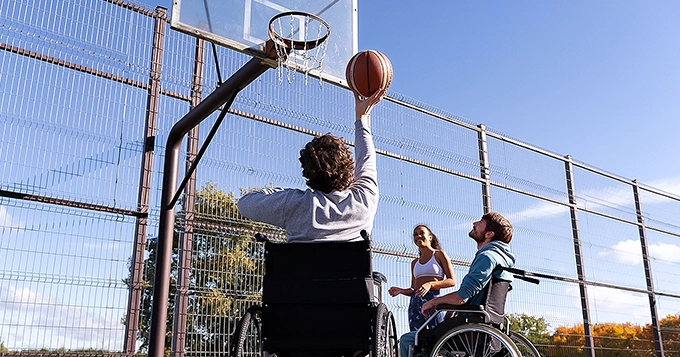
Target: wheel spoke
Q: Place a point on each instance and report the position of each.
(474, 340)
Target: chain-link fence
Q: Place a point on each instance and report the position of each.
(89, 91)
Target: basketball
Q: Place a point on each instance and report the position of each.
(367, 72)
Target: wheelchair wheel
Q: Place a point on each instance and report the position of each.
(525, 347)
(386, 341)
(247, 339)
(474, 340)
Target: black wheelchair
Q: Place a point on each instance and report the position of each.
(476, 330)
(318, 299)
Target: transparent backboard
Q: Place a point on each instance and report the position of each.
(243, 26)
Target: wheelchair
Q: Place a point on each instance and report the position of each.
(475, 330)
(318, 300)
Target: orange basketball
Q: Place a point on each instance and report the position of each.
(367, 72)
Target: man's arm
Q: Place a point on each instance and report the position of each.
(450, 299)
(266, 205)
(473, 283)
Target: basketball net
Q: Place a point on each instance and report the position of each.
(300, 41)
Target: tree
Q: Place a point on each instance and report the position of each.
(532, 327)
(226, 267)
(610, 339)
(670, 332)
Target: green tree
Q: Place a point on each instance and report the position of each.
(532, 327)
(225, 274)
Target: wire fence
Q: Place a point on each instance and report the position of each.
(89, 91)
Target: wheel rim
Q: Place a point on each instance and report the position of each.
(524, 346)
(248, 335)
(475, 340)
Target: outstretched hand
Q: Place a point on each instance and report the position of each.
(365, 105)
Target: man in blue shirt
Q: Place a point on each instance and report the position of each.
(493, 233)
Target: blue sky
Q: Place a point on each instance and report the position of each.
(597, 80)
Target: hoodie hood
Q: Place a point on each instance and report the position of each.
(503, 249)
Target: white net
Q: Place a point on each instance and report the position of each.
(300, 41)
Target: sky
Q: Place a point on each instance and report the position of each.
(597, 80)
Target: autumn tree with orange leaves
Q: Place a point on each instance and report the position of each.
(611, 339)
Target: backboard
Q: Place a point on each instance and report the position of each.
(243, 26)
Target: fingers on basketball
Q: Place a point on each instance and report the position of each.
(368, 72)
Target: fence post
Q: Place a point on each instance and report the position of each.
(484, 167)
(137, 260)
(585, 309)
(658, 341)
(187, 235)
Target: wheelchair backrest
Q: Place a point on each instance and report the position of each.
(318, 273)
(496, 292)
(318, 298)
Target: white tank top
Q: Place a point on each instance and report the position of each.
(431, 268)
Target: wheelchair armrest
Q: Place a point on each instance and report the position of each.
(453, 311)
(466, 308)
(521, 274)
(379, 278)
(365, 235)
(259, 237)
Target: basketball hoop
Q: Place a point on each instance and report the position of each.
(299, 42)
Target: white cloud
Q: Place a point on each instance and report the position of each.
(670, 185)
(625, 252)
(613, 305)
(7, 221)
(541, 210)
(630, 252)
(665, 252)
(34, 318)
(599, 199)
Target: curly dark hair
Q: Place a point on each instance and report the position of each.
(327, 164)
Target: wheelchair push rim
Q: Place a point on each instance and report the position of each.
(475, 340)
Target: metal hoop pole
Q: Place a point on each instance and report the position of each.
(223, 95)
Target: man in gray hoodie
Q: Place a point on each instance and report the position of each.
(342, 197)
(493, 233)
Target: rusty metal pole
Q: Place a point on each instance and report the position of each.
(656, 329)
(484, 168)
(223, 95)
(187, 235)
(578, 255)
(137, 260)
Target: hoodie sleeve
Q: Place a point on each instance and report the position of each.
(267, 205)
(477, 277)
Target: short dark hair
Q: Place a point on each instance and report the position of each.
(499, 225)
(327, 164)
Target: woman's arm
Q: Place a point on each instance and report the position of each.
(394, 291)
